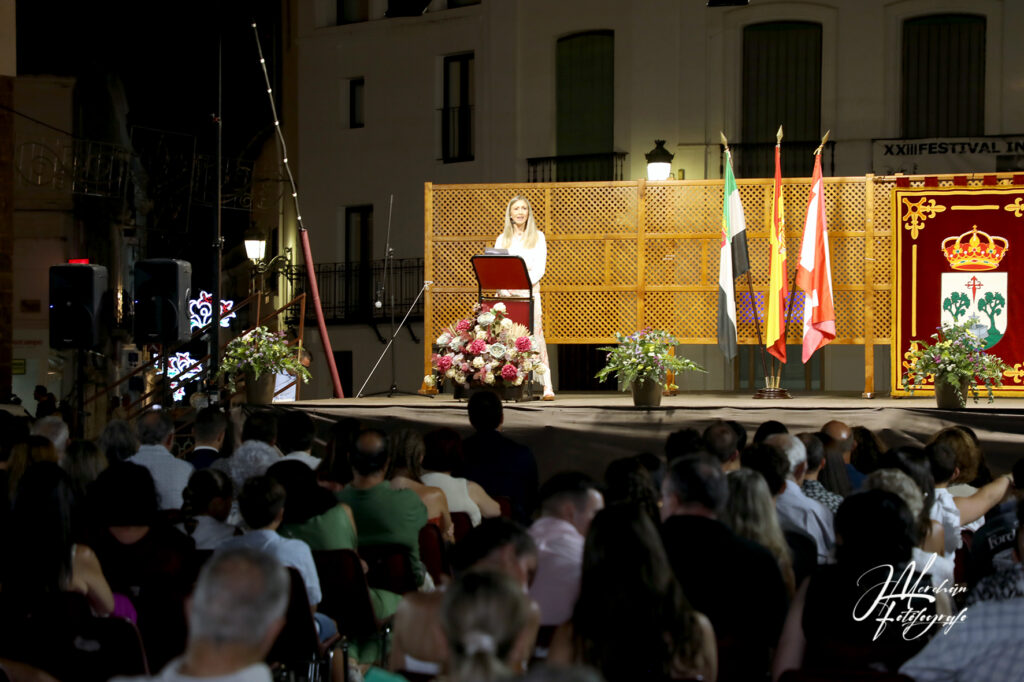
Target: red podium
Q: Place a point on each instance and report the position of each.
(495, 273)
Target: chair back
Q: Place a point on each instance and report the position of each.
(346, 595)
(390, 567)
(432, 552)
(506, 505)
(297, 643)
(463, 524)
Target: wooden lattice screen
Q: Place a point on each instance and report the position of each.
(625, 255)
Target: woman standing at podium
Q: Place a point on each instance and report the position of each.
(522, 238)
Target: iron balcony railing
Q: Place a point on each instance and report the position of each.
(349, 291)
(576, 167)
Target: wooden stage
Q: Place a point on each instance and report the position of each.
(585, 431)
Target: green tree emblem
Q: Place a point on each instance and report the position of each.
(956, 305)
(992, 304)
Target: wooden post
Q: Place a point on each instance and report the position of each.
(428, 275)
(6, 232)
(869, 286)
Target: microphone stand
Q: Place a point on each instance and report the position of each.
(394, 333)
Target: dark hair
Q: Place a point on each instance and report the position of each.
(406, 452)
(867, 450)
(965, 450)
(13, 430)
(260, 425)
(38, 555)
(815, 450)
(490, 535)
(741, 433)
(914, 463)
(628, 481)
(631, 619)
(369, 453)
(875, 528)
(153, 427)
(83, 461)
(442, 450)
(335, 468)
(770, 462)
(683, 442)
(698, 479)
(295, 431)
(835, 477)
(260, 501)
(25, 455)
(720, 440)
(210, 423)
(565, 485)
(124, 495)
(769, 428)
(942, 460)
(118, 441)
(306, 498)
(485, 410)
(204, 486)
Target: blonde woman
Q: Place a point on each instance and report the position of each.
(522, 238)
(751, 515)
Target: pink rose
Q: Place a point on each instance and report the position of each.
(477, 346)
(463, 325)
(444, 362)
(465, 368)
(508, 372)
(523, 344)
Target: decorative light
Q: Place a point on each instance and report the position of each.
(200, 311)
(659, 161)
(181, 370)
(255, 247)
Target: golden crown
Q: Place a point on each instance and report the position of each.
(975, 254)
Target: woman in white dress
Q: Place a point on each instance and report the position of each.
(522, 238)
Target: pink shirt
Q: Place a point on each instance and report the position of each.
(559, 565)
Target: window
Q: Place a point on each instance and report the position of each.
(359, 292)
(781, 86)
(352, 11)
(944, 76)
(457, 111)
(356, 117)
(585, 106)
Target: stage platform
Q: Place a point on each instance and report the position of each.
(585, 431)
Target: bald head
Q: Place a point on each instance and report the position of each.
(842, 435)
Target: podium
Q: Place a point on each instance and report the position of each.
(500, 272)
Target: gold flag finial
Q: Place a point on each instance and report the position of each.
(778, 136)
(824, 140)
(725, 142)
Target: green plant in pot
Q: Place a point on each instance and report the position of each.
(259, 356)
(642, 361)
(956, 362)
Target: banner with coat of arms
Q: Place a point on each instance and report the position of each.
(954, 265)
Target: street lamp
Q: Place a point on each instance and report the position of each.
(659, 161)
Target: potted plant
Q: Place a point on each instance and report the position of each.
(642, 361)
(954, 363)
(259, 356)
(486, 350)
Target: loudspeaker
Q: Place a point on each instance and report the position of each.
(162, 288)
(76, 293)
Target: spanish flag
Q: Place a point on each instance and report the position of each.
(778, 286)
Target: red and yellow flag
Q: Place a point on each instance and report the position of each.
(778, 286)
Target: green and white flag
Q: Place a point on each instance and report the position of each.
(733, 261)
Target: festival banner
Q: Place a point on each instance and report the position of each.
(955, 265)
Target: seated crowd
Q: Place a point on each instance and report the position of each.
(828, 555)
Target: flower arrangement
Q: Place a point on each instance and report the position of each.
(956, 355)
(487, 348)
(259, 352)
(644, 355)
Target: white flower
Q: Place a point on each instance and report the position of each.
(489, 378)
(497, 351)
(540, 368)
(429, 381)
(492, 364)
(519, 380)
(506, 323)
(478, 362)
(482, 336)
(527, 366)
(456, 344)
(458, 358)
(460, 377)
(450, 373)
(485, 319)
(499, 307)
(444, 339)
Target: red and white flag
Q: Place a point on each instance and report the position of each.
(814, 274)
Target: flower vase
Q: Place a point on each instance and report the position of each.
(950, 397)
(647, 393)
(505, 393)
(260, 391)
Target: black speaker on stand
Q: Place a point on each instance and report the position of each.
(162, 288)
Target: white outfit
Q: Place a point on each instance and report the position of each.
(944, 510)
(257, 672)
(941, 570)
(559, 568)
(536, 260)
(209, 532)
(170, 474)
(457, 492)
(312, 461)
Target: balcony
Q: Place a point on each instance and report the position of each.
(348, 291)
(576, 167)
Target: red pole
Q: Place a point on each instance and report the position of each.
(314, 292)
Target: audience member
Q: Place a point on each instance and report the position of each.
(500, 465)
(296, 434)
(207, 505)
(261, 425)
(913, 461)
(442, 455)
(383, 515)
(796, 508)
(812, 487)
(835, 476)
(235, 614)
(968, 458)
(46, 402)
(768, 428)
(155, 431)
(750, 513)
(628, 480)
(83, 461)
(683, 443)
(632, 620)
(55, 430)
(721, 442)
(734, 576)
(118, 441)
(876, 536)
(252, 458)
(209, 430)
(405, 472)
(485, 616)
(23, 455)
(867, 450)
(741, 434)
(843, 437)
(568, 502)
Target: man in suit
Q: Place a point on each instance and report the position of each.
(209, 430)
